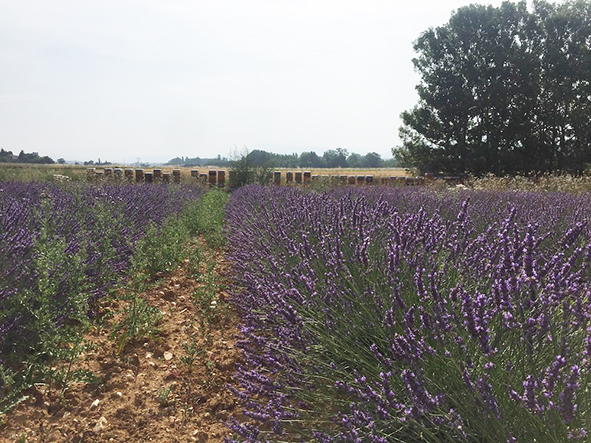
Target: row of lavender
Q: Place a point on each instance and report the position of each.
(62, 247)
(397, 315)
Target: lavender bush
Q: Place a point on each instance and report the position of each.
(62, 247)
(394, 315)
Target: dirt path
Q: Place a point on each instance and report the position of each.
(170, 388)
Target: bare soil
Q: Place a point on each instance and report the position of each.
(148, 390)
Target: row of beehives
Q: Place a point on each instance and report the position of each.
(137, 175)
(218, 177)
(306, 177)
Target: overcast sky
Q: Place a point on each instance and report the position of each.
(123, 80)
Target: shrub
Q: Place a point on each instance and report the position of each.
(390, 315)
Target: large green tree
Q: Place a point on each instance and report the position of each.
(503, 90)
(336, 158)
(310, 160)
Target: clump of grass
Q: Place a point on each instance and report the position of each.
(206, 217)
(163, 396)
(63, 374)
(192, 352)
(161, 249)
(140, 321)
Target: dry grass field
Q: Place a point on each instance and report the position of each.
(26, 172)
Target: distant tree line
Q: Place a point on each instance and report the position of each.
(333, 158)
(23, 157)
(198, 161)
(503, 90)
(98, 163)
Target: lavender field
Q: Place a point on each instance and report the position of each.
(62, 248)
(394, 315)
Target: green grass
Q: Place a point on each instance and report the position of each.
(207, 216)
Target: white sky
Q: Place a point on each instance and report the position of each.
(155, 79)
